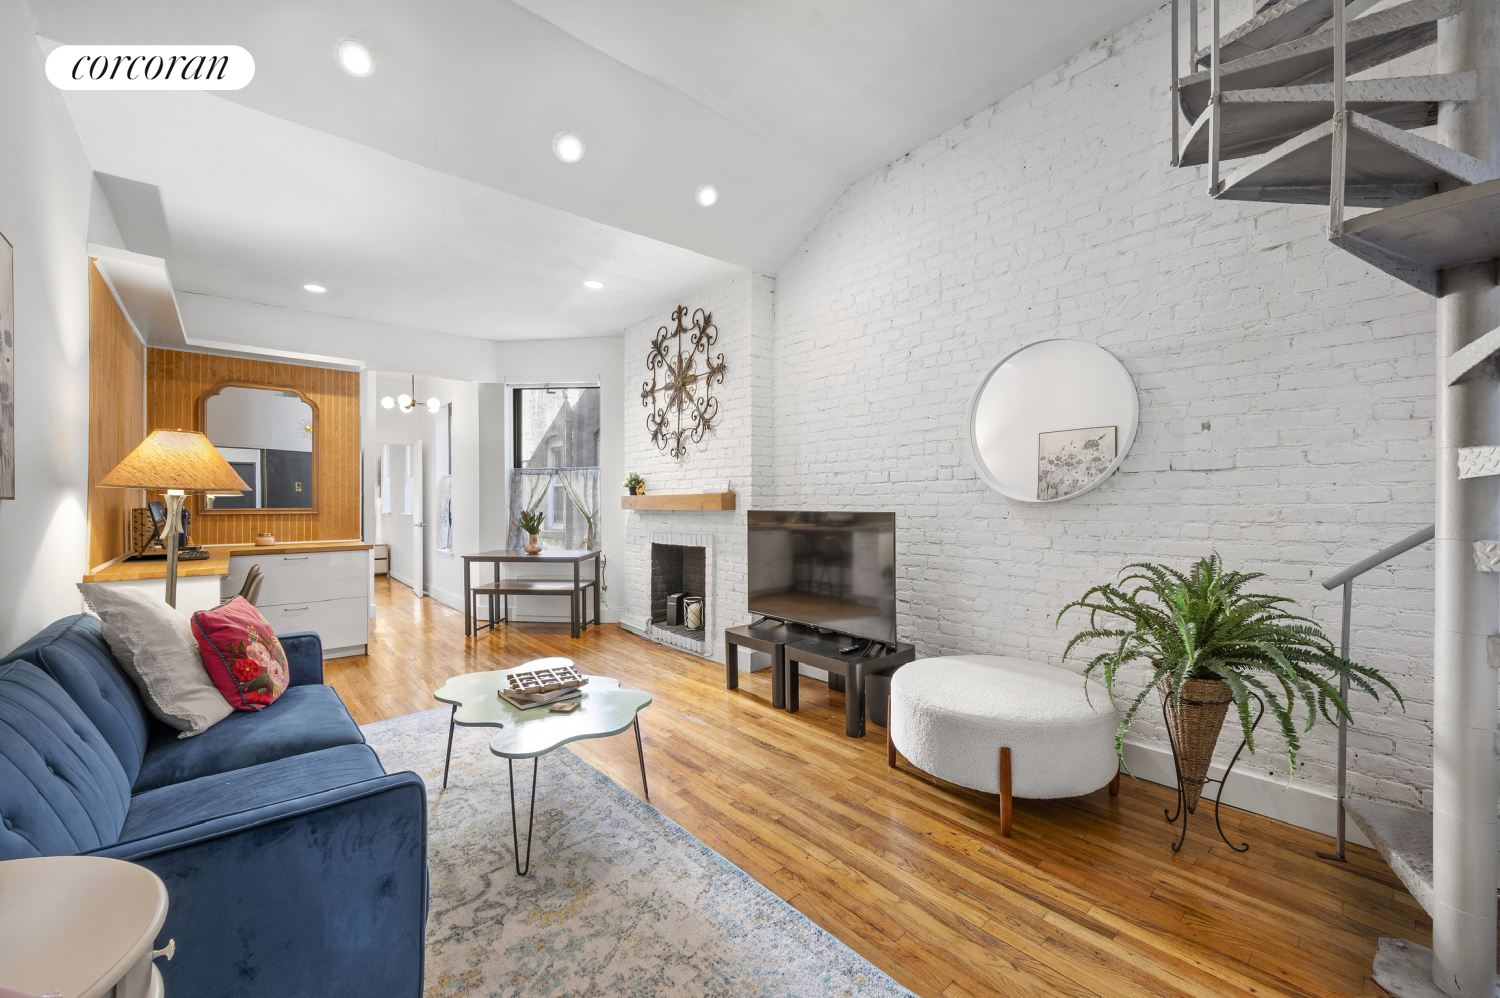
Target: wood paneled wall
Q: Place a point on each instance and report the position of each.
(117, 418)
(176, 379)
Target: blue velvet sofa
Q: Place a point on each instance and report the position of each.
(294, 864)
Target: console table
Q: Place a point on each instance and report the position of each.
(576, 591)
(825, 651)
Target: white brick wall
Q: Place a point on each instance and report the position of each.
(736, 449)
(1285, 387)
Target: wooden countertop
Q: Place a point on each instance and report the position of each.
(217, 562)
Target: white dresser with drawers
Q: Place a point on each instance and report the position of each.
(308, 589)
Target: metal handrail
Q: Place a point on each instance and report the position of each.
(1216, 109)
(1346, 579)
(1380, 558)
(1172, 90)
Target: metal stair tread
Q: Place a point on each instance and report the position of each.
(1468, 363)
(1386, 166)
(1255, 121)
(1403, 836)
(1487, 559)
(1285, 22)
(1478, 462)
(1415, 240)
(1372, 40)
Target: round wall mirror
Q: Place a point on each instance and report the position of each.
(1052, 420)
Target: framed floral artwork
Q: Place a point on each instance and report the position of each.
(1069, 461)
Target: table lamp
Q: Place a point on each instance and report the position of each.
(177, 462)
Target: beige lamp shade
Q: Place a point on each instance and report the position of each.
(175, 459)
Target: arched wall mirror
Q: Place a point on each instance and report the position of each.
(1052, 420)
(269, 435)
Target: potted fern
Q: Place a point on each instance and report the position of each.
(531, 523)
(1209, 645)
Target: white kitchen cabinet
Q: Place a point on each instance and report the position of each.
(322, 591)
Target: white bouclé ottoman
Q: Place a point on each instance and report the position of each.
(1003, 725)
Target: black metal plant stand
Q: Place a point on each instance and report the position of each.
(1182, 805)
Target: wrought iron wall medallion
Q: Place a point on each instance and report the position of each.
(682, 407)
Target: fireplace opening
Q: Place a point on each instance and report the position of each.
(678, 571)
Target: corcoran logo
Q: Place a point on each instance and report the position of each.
(150, 67)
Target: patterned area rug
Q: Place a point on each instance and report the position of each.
(620, 900)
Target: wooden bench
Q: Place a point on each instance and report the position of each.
(506, 588)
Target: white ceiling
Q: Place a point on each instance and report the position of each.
(779, 103)
(255, 207)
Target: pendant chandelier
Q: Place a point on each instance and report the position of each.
(408, 403)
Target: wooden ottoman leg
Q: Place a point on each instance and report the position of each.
(1114, 785)
(1005, 792)
(890, 743)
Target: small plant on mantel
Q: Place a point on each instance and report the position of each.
(1209, 644)
(635, 485)
(531, 523)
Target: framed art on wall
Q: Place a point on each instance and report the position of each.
(7, 370)
(1069, 461)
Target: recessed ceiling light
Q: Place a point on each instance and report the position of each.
(707, 195)
(567, 147)
(354, 58)
(316, 289)
(596, 285)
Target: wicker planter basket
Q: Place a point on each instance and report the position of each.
(1195, 720)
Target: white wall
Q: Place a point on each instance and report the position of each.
(1286, 388)
(45, 184)
(534, 362)
(442, 575)
(738, 449)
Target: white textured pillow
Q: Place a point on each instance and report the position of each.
(155, 646)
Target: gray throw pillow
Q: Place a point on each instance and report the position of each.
(155, 646)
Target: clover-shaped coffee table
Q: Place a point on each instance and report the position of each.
(605, 709)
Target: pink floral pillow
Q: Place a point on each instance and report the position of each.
(241, 654)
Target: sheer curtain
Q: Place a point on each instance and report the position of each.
(528, 492)
(582, 487)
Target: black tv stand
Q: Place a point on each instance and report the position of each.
(848, 665)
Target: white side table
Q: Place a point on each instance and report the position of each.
(80, 925)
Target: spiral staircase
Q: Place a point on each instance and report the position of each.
(1269, 108)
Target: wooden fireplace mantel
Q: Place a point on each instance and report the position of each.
(697, 501)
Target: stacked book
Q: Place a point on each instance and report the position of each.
(524, 701)
(542, 687)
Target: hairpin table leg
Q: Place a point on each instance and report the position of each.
(515, 840)
(449, 757)
(641, 754)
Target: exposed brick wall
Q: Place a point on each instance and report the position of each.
(738, 448)
(1286, 388)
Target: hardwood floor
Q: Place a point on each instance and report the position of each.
(1086, 899)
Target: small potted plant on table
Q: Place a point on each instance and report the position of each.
(635, 485)
(1209, 644)
(532, 524)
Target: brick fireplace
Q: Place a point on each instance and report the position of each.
(676, 568)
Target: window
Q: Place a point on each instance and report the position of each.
(555, 427)
(555, 464)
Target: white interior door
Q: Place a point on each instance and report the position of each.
(418, 519)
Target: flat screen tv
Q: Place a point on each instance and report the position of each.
(829, 570)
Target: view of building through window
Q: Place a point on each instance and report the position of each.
(555, 467)
(556, 427)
